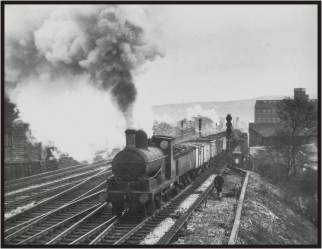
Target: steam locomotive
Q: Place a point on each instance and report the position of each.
(148, 172)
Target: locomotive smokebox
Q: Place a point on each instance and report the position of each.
(130, 135)
(141, 140)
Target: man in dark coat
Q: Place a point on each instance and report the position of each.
(219, 183)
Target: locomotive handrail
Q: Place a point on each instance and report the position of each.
(157, 173)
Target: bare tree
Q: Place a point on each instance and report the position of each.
(298, 126)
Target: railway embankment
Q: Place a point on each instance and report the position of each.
(265, 218)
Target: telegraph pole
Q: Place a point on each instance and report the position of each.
(228, 136)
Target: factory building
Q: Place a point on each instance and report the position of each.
(266, 112)
(267, 122)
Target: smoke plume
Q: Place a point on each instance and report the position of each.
(52, 52)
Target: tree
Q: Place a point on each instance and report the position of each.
(11, 113)
(298, 125)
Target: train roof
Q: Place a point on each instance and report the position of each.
(181, 149)
(164, 137)
(217, 135)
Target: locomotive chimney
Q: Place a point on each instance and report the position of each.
(200, 126)
(130, 138)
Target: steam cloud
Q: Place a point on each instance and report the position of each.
(62, 47)
(106, 42)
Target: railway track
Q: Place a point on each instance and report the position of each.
(35, 196)
(50, 224)
(86, 229)
(46, 177)
(224, 218)
(131, 229)
(38, 188)
(36, 193)
(77, 191)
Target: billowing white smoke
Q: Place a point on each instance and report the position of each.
(71, 73)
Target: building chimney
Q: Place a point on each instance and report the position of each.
(130, 138)
(200, 126)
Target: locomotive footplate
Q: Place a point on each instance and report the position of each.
(129, 199)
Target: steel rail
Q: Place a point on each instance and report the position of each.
(93, 231)
(39, 180)
(34, 188)
(65, 222)
(106, 230)
(175, 228)
(11, 205)
(63, 234)
(43, 205)
(54, 172)
(53, 213)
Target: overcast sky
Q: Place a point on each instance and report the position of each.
(60, 58)
(225, 52)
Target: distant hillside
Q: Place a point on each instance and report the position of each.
(244, 109)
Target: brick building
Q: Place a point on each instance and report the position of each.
(267, 122)
(266, 111)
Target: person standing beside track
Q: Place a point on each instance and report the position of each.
(219, 183)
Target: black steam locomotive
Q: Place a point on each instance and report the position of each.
(149, 171)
